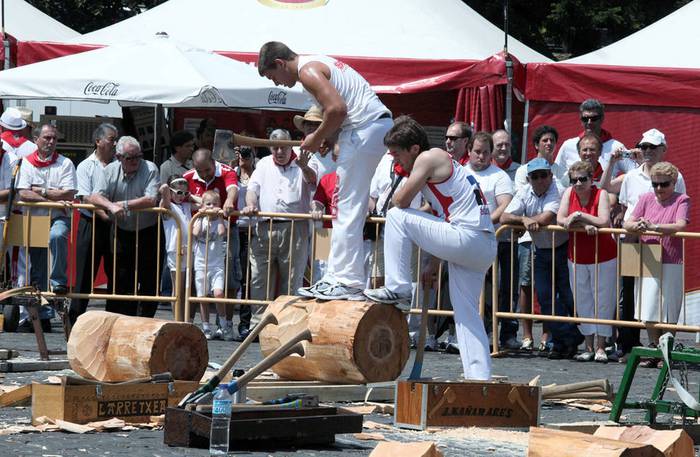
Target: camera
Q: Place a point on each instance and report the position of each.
(627, 154)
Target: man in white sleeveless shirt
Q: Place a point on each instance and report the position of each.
(352, 110)
(459, 231)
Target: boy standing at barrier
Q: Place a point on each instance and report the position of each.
(460, 231)
(175, 197)
(209, 233)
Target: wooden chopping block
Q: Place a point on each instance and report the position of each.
(673, 443)
(545, 442)
(354, 342)
(112, 347)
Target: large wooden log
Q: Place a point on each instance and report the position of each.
(547, 443)
(113, 348)
(353, 342)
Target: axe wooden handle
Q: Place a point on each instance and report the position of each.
(266, 320)
(242, 140)
(293, 346)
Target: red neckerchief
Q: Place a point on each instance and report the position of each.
(604, 135)
(464, 160)
(598, 173)
(505, 165)
(35, 160)
(292, 157)
(9, 137)
(399, 170)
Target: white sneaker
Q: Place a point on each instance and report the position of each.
(311, 291)
(339, 291)
(218, 334)
(431, 344)
(227, 333)
(384, 295)
(207, 333)
(413, 339)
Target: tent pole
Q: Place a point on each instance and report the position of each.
(156, 132)
(5, 41)
(526, 124)
(509, 73)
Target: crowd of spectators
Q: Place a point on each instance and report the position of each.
(590, 182)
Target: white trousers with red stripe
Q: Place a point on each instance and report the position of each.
(469, 254)
(360, 152)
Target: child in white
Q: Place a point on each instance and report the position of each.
(209, 233)
(175, 198)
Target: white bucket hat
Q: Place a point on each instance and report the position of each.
(11, 119)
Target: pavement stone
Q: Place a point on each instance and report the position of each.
(518, 368)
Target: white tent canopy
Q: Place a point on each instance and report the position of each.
(26, 23)
(670, 42)
(156, 71)
(419, 29)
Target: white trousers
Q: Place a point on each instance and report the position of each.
(670, 296)
(582, 289)
(469, 254)
(361, 150)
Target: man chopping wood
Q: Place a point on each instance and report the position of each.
(350, 105)
(459, 231)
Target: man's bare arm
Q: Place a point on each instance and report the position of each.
(315, 77)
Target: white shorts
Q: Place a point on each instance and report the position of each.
(214, 280)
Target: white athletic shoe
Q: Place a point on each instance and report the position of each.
(431, 344)
(451, 346)
(339, 291)
(207, 333)
(218, 334)
(312, 291)
(227, 333)
(384, 295)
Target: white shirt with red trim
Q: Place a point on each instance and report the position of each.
(224, 179)
(280, 189)
(459, 200)
(17, 144)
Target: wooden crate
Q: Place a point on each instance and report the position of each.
(431, 403)
(86, 403)
(267, 429)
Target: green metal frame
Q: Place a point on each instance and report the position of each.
(655, 404)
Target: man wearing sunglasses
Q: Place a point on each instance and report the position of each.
(456, 139)
(592, 115)
(650, 150)
(126, 185)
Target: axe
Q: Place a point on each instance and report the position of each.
(266, 320)
(293, 346)
(242, 140)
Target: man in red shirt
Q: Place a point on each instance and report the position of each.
(208, 174)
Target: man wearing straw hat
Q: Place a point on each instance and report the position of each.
(321, 161)
(350, 105)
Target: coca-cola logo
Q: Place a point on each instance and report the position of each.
(277, 97)
(211, 97)
(106, 89)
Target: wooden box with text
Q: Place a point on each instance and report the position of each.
(86, 403)
(431, 403)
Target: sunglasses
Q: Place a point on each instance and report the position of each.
(581, 179)
(660, 184)
(535, 175)
(132, 158)
(646, 146)
(179, 192)
(586, 119)
(455, 138)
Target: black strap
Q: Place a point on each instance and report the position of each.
(395, 184)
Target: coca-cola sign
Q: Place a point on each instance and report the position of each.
(102, 89)
(211, 97)
(277, 97)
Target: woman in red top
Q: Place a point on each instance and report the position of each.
(585, 206)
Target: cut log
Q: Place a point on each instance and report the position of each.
(112, 347)
(353, 342)
(673, 443)
(547, 443)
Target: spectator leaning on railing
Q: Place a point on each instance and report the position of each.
(592, 257)
(663, 211)
(129, 184)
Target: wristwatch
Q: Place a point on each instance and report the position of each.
(44, 192)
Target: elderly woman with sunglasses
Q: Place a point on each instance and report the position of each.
(662, 211)
(592, 257)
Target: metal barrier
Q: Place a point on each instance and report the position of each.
(617, 322)
(28, 238)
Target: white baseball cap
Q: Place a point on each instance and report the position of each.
(654, 137)
(11, 119)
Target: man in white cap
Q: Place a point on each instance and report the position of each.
(650, 150)
(350, 105)
(14, 136)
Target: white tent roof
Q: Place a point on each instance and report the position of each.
(669, 42)
(159, 71)
(27, 23)
(421, 29)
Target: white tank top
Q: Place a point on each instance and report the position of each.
(362, 103)
(459, 200)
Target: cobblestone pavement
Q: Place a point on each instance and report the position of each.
(519, 368)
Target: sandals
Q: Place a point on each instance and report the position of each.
(585, 356)
(527, 345)
(601, 357)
